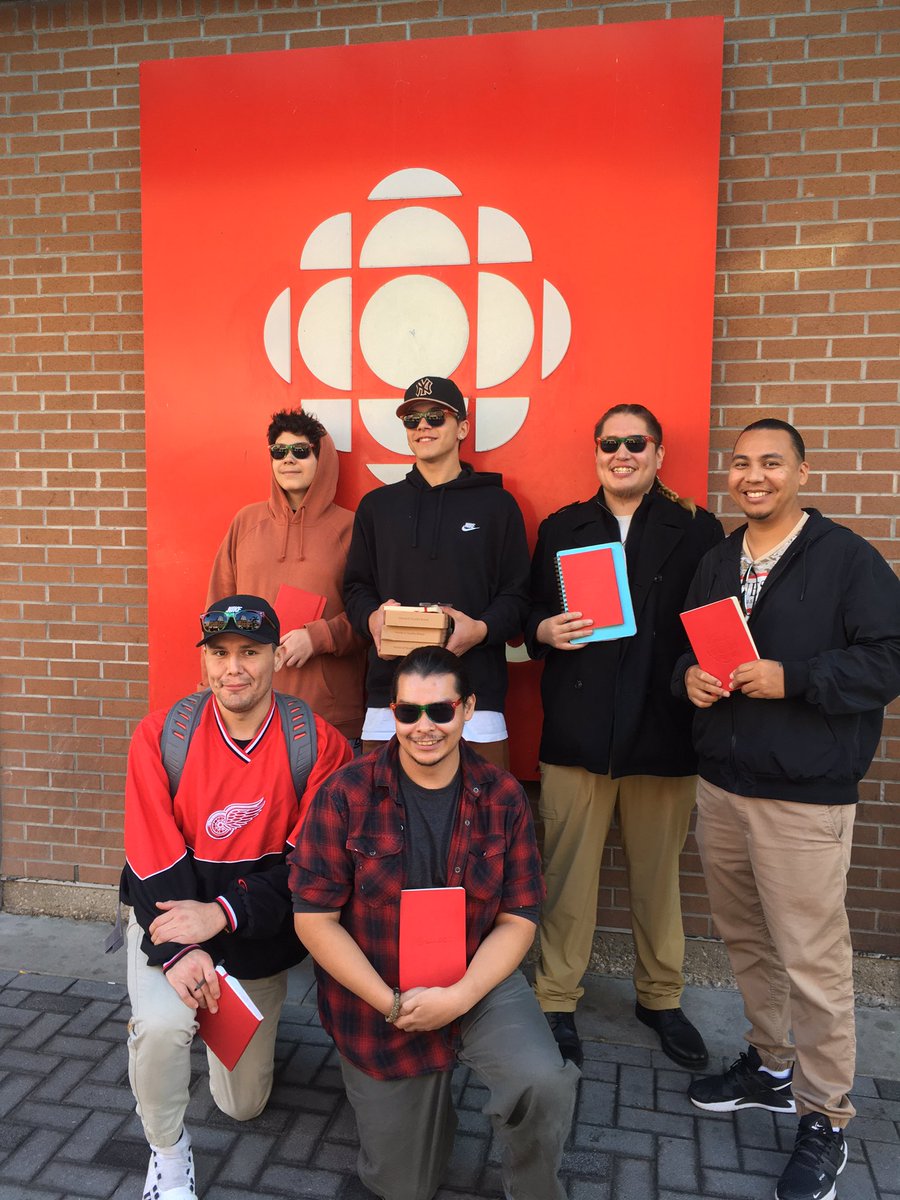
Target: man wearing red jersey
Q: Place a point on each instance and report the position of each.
(205, 875)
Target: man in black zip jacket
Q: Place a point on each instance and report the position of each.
(449, 535)
(782, 746)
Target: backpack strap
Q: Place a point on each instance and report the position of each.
(299, 726)
(297, 723)
(178, 729)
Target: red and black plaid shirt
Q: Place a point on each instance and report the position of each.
(350, 856)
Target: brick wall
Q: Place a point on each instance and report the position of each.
(806, 327)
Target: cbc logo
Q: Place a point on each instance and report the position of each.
(415, 324)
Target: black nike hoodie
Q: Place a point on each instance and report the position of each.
(461, 543)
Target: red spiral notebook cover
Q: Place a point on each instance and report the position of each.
(593, 580)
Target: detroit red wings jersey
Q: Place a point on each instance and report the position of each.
(224, 835)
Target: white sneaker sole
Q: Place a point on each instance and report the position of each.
(789, 1106)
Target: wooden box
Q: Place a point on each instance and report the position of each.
(407, 627)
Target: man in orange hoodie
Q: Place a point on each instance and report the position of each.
(299, 537)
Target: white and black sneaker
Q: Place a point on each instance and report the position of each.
(820, 1154)
(744, 1085)
(170, 1175)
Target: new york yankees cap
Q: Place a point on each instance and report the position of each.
(434, 389)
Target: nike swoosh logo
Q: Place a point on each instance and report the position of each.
(469, 526)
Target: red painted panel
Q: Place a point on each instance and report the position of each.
(602, 143)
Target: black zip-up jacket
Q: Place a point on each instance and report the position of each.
(608, 707)
(461, 543)
(829, 612)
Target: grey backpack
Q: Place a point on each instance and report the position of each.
(182, 719)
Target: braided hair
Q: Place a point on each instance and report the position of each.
(653, 425)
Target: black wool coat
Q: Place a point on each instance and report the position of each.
(608, 707)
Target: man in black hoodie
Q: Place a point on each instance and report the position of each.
(782, 745)
(448, 535)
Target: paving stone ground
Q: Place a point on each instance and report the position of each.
(68, 1129)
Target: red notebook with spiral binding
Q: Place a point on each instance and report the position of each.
(593, 580)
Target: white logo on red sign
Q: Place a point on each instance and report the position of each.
(414, 324)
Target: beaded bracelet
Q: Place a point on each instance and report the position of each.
(395, 1008)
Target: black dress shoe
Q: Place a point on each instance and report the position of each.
(562, 1026)
(677, 1036)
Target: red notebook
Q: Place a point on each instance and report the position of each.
(593, 580)
(432, 936)
(297, 608)
(720, 637)
(228, 1031)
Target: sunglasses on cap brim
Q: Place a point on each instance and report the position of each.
(244, 619)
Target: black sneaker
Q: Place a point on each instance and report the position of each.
(743, 1086)
(562, 1026)
(819, 1156)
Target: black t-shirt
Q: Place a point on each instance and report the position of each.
(430, 818)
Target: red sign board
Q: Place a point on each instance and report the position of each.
(533, 213)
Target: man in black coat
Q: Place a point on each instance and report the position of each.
(614, 736)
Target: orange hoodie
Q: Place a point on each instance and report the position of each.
(267, 544)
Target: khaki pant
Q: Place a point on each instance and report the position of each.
(577, 807)
(776, 872)
(406, 1126)
(160, 1033)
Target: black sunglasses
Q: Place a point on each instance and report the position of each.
(635, 443)
(439, 711)
(434, 417)
(299, 450)
(215, 621)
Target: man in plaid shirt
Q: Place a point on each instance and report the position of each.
(425, 811)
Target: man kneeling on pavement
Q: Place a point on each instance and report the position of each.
(206, 877)
(425, 811)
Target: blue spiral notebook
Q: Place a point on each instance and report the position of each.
(594, 580)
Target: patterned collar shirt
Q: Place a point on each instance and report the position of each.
(755, 572)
